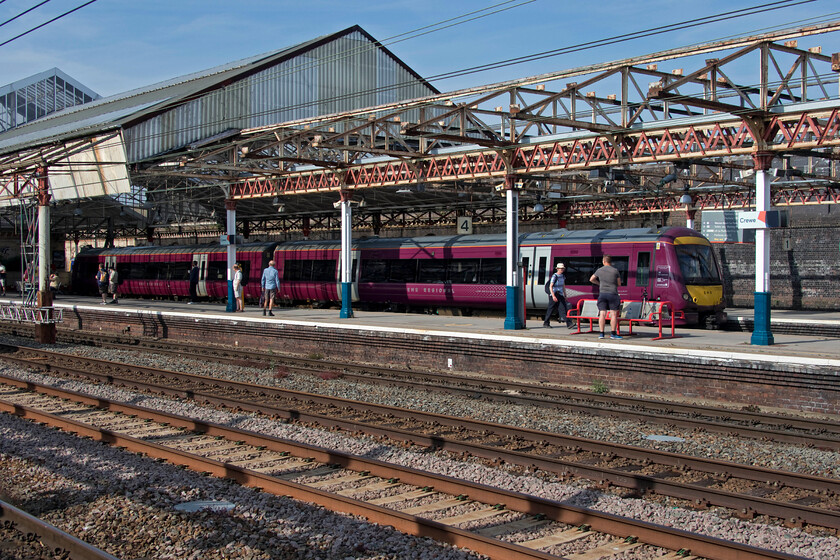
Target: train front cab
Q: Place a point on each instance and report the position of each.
(702, 281)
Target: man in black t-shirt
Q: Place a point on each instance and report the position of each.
(608, 280)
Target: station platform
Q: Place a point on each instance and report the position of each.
(699, 362)
(731, 341)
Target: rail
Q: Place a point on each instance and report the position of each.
(406, 520)
(51, 536)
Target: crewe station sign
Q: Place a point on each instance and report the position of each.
(758, 220)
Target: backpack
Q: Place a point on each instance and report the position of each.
(548, 285)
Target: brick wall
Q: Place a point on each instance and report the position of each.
(804, 263)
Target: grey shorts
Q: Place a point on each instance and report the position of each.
(269, 294)
(609, 302)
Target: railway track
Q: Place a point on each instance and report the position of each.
(821, 434)
(498, 523)
(749, 491)
(22, 531)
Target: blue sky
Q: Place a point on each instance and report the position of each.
(113, 46)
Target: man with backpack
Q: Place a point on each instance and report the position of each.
(557, 289)
(102, 282)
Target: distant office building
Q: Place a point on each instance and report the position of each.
(31, 98)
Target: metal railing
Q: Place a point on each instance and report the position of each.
(29, 314)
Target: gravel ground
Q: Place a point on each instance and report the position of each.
(713, 522)
(124, 504)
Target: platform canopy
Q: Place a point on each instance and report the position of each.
(282, 133)
(95, 152)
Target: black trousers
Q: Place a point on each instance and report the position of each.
(193, 292)
(561, 306)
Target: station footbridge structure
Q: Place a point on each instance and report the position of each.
(357, 140)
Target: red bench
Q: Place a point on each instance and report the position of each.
(646, 312)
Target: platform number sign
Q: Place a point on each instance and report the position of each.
(464, 225)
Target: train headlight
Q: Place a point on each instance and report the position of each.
(686, 297)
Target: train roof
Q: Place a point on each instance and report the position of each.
(554, 236)
(175, 249)
(557, 236)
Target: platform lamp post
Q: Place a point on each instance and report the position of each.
(346, 257)
(690, 212)
(761, 335)
(230, 210)
(515, 315)
(44, 332)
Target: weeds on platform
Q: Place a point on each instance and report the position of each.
(599, 387)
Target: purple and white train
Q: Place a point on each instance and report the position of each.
(464, 271)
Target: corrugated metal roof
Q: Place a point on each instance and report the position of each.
(136, 106)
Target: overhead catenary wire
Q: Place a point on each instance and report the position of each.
(707, 17)
(56, 18)
(391, 87)
(495, 8)
(23, 13)
(346, 96)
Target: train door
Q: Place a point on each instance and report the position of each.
(110, 261)
(354, 275)
(641, 265)
(536, 261)
(201, 259)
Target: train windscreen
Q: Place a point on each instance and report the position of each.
(698, 265)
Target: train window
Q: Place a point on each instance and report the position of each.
(216, 271)
(431, 271)
(697, 264)
(293, 270)
(580, 269)
(140, 271)
(374, 271)
(246, 272)
(179, 271)
(622, 264)
(492, 271)
(541, 278)
(643, 269)
(464, 271)
(403, 271)
(323, 270)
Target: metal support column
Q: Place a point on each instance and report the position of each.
(761, 328)
(44, 332)
(346, 255)
(230, 208)
(515, 314)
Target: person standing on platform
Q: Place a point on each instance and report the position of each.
(102, 282)
(3, 279)
(54, 283)
(270, 283)
(193, 283)
(608, 279)
(113, 284)
(558, 298)
(238, 293)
